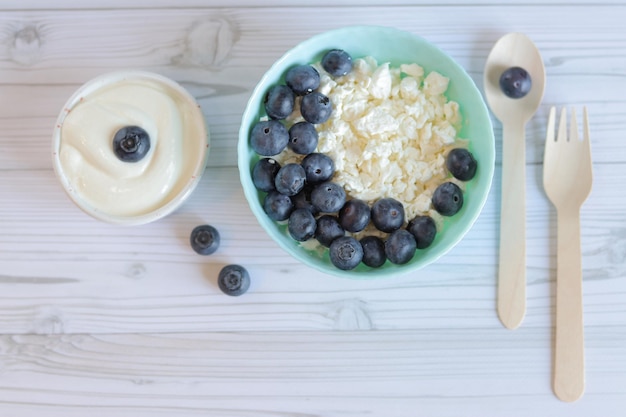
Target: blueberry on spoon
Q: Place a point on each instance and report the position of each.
(515, 82)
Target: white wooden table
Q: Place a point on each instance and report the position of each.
(101, 320)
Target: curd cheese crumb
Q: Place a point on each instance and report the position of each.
(388, 134)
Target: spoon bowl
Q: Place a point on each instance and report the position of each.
(513, 50)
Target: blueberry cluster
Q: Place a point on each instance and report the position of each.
(232, 279)
(314, 207)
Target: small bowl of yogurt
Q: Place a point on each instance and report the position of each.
(130, 147)
(396, 117)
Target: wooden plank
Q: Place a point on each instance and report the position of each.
(142, 4)
(417, 373)
(208, 39)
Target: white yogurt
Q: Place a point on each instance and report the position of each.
(109, 188)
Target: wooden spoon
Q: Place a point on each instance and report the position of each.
(513, 50)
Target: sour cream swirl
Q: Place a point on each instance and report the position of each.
(104, 183)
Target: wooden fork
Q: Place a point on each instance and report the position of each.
(567, 179)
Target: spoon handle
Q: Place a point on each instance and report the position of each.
(512, 266)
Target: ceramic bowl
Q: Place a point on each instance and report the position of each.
(396, 47)
(130, 193)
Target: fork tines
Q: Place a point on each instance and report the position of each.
(562, 133)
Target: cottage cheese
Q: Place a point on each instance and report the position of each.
(389, 133)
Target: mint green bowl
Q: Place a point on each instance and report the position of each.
(396, 47)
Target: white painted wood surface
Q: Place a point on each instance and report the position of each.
(101, 320)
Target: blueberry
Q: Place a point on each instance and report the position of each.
(131, 143)
(301, 225)
(346, 252)
(387, 214)
(269, 137)
(316, 108)
(264, 173)
(328, 197)
(515, 82)
(302, 79)
(204, 239)
(337, 62)
(328, 229)
(290, 179)
(354, 216)
(279, 102)
(448, 199)
(424, 230)
(400, 247)
(277, 206)
(233, 280)
(302, 138)
(461, 164)
(303, 200)
(373, 251)
(318, 167)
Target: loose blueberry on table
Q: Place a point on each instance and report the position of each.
(204, 239)
(233, 280)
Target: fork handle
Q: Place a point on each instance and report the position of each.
(569, 361)
(512, 263)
